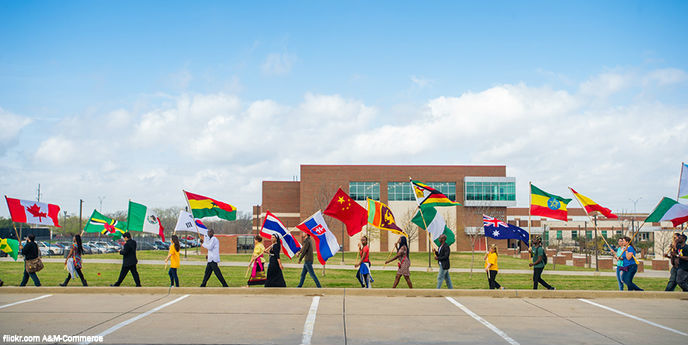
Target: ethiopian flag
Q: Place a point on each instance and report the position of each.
(381, 217)
(105, 225)
(428, 196)
(669, 209)
(10, 246)
(548, 205)
(203, 207)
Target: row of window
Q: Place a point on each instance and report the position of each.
(396, 191)
(501, 191)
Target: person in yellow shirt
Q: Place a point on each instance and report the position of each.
(256, 264)
(491, 267)
(173, 258)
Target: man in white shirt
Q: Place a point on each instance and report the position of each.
(211, 243)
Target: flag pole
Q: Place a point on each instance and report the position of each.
(13, 225)
(424, 223)
(591, 220)
(678, 192)
(198, 235)
(530, 206)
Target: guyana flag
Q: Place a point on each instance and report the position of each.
(105, 225)
(10, 246)
(381, 217)
(548, 205)
(203, 207)
(428, 196)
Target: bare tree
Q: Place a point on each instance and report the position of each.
(478, 211)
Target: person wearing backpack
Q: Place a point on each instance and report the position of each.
(538, 264)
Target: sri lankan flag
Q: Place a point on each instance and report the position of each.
(203, 207)
(428, 196)
(104, 225)
(548, 205)
(381, 217)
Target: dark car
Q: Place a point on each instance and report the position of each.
(145, 246)
(87, 248)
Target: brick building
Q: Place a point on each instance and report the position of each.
(480, 189)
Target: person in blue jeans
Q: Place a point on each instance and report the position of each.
(619, 263)
(630, 266)
(30, 252)
(442, 257)
(306, 254)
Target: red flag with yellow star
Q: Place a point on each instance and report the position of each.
(353, 215)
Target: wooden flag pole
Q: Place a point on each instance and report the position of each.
(591, 220)
(530, 206)
(198, 235)
(678, 192)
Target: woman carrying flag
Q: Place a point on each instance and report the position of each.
(256, 263)
(173, 257)
(630, 265)
(275, 277)
(404, 262)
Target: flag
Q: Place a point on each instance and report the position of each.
(273, 226)
(353, 215)
(436, 225)
(203, 206)
(325, 242)
(10, 246)
(105, 225)
(497, 229)
(591, 206)
(683, 183)
(381, 217)
(547, 205)
(33, 212)
(186, 222)
(669, 209)
(428, 196)
(140, 218)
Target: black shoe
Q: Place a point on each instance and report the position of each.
(63, 284)
(552, 288)
(1, 282)
(113, 285)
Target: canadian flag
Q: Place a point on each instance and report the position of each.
(33, 212)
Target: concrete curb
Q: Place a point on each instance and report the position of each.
(350, 292)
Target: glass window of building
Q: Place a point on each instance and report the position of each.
(363, 190)
(446, 188)
(491, 191)
(574, 234)
(400, 191)
(559, 235)
(604, 233)
(588, 235)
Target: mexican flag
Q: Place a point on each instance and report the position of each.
(10, 246)
(436, 225)
(141, 218)
(669, 209)
(105, 225)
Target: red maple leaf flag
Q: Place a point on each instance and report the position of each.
(32, 212)
(353, 215)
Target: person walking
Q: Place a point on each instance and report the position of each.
(212, 244)
(491, 268)
(404, 262)
(174, 258)
(275, 277)
(442, 257)
(538, 264)
(672, 255)
(129, 261)
(73, 262)
(257, 266)
(619, 263)
(630, 265)
(682, 255)
(363, 274)
(306, 254)
(30, 252)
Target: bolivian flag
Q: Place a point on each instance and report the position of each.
(548, 205)
(203, 207)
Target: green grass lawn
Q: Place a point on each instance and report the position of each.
(155, 275)
(458, 260)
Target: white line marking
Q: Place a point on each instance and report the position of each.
(24, 301)
(483, 321)
(140, 316)
(633, 317)
(310, 322)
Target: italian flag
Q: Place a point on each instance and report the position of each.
(436, 225)
(669, 209)
(141, 218)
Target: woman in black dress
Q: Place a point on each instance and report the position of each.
(275, 277)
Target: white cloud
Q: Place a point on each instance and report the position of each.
(420, 81)
(11, 126)
(278, 64)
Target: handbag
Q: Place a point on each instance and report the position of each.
(34, 265)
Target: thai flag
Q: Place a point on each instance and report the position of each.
(325, 241)
(273, 226)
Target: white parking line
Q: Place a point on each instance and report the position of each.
(483, 321)
(140, 316)
(24, 301)
(633, 317)
(310, 321)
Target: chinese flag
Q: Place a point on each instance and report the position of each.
(353, 215)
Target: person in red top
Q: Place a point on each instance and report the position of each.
(363, 273)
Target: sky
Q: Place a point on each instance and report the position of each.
(138, 100)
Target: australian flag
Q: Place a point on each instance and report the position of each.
(497, 229)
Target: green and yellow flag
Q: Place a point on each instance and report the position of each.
(10, 246)
(381, 217)
(105, 225)
(203, 206)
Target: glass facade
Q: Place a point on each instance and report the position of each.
(362, 190)
(400, 191)
(560, 236)
(489, 191)
(604, 233)
(574, 234)
(446, 188)
(588, 235)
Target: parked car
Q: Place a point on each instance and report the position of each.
(162, 245)
(145, 246)
(87, 248)
(96, 249)
(108, 247)
(43, 248)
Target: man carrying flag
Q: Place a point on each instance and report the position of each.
(105, 225)
(325, 241)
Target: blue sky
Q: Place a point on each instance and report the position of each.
(83, 85)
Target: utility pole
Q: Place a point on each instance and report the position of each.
(100, 199)
(38, 193)
(81, 207)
